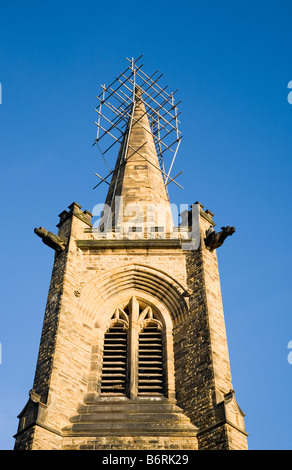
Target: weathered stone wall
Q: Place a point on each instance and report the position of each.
(24, 441)
(130, 443)
(201, 354)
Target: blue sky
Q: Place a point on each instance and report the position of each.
(232, 63)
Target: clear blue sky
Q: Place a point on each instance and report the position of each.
(232, 62)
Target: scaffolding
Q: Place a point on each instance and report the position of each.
(115, 116)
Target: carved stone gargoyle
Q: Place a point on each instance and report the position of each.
(214, 240)
(50, 239)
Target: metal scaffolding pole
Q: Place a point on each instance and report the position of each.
(116, 114)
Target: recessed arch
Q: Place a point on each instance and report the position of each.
(101, 293)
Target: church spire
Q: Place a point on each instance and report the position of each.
(140, 116)
(137, 198)
(133, 353)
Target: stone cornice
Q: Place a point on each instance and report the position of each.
(124, 244)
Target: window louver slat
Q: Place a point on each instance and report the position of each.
(114, 361)
(150, 375)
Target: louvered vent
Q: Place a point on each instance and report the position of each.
(114, 361)
(150, 379)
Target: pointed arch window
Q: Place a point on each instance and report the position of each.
(134, 353)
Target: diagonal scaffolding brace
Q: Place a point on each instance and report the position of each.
(115, 114)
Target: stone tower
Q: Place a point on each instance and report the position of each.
(133, 352)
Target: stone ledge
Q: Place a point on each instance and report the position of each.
(116, 244)
(40, 425)
(217, 425)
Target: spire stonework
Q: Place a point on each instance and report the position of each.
(137, 195)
